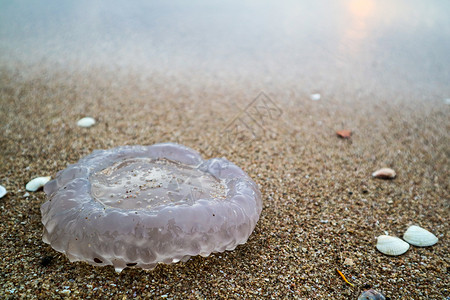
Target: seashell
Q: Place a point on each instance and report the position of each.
(371, 295)
(391, 245)
(2, 191)
(420, 237)
(344, 134)
(315, 97)
(37, 183)
(86, 122)
(384, 173)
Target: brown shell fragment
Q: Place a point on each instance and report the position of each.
(344, 134)
(384, 173)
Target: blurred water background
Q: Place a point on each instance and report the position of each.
(316, 45)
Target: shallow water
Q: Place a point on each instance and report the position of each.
(318, 45)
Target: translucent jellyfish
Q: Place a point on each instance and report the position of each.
(143, 205)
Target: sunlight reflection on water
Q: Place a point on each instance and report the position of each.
(288, 40)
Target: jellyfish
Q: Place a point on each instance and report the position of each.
(137, 206)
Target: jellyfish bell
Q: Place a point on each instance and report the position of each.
(136, 206)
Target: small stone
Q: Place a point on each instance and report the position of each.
(348, 262)
(315, 97)
(384, 173)
(304, 250)
(37, 183)
(86, 122)
(26, 195)
(2, 191)
(66, 292)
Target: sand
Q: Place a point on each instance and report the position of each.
(322, 209)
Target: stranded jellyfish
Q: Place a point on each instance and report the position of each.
(143, 205)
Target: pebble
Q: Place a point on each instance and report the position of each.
(86, 122)
(37, 183)
(2, 191)
(315, 97)
(384, 173)
(348, 262)
(66, 292)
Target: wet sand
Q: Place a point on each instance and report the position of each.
(320, 204)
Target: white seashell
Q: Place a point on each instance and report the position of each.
(420, 237)
(384, 173)
(37, 183)
(315, 97)
(2, 191)
(391, 245)
(86, 122)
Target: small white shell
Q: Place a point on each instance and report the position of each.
(315, 97)
(384, 173)
(420, 237)
(391, 245)
(37, 183)
(86, 122)
(2, 191)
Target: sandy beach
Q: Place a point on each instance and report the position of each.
(321, 205)
(265, 86)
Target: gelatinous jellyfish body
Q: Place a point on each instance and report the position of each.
(143, 205)
(141, 183)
